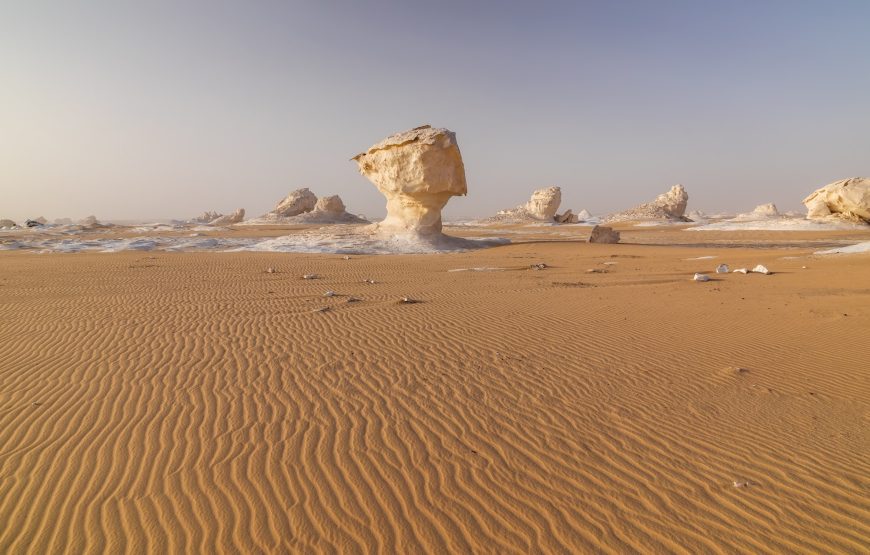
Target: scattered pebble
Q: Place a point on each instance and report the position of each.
(722, 269)
(353, 300)
(538, 266)
(741, 271)
(270, 270)
(609, 263)
(761, 270)
(321, 309)
(701, 277)
(596, 271)
(408, 300)
(745, 484)
(310, 276)
(369, 281)
(803, 267)
(329, 294)
(345, 257)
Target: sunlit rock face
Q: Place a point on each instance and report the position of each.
(603, 234)
(417, 171)
(667, 206)
(229, 219)
(847, 199)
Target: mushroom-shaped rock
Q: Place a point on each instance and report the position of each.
(603, 234)
(417, 171)
(847, 199)
(667, 206)
(229, 219)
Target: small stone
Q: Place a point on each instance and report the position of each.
(539, 266)
(740, 271)
(409, 300)
(701, 277)
(270, 270)
(329, 294)
(310, 276)
(760, 270)
(722, 269)
(321, 309)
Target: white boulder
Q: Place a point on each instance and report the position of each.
(847, 199)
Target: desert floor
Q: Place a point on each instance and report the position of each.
(193, 402)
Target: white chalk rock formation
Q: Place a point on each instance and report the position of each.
(89, 221)
(206, 217)
(667, 206)
(847, 199)
(603, 234)
(297, 202)
(328, 210)
(62, 221)
(766, 211)
(584, 215)
(229, 219)
(7, 223)
(541, 207)
(417, 171)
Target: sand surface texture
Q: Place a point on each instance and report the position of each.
(195, 403)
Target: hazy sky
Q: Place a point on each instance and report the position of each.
(165, 109)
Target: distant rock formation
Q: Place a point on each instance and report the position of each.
(766, 211)
(542, 206)
(62, 221)
(297, 202)
(567, 217)
(7, 223)
(847, 199)
(603, 234)
(229, 219)
(89, 221)
(584, 215)
(328, 210)
(667, 206)
(417, 171)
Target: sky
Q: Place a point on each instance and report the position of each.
(156, 110)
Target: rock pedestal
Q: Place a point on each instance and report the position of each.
(417, 171)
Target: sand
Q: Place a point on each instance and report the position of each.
(174, 402)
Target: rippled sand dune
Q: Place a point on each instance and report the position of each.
(195, 403)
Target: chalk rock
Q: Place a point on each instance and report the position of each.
(63, 221)
(584, 215)
(667, 206)
(766, 210)
(603, 234)
(89, 221)
(847, 199)
(229, 219)
(701, 277)
(7, 223)
(32, 223)
(722, 269)
(417, 171)
(206, 217)
(541, 207)
(328, 210)
(331, 204)
(297, 202)
(760, 269)
(568, 217)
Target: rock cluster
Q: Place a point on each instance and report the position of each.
(667, 206)
(302, 206)
(847, 199)
(417, 171)
(603, 234)
(228, 219)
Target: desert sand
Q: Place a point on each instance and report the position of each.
(173, 402)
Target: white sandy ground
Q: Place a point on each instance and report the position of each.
(851, 249)
(777, 224)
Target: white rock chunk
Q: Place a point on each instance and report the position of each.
(722, 269)
(701, 277)
(542, 206)
(760, 270)
(847, 199)
(417, 171)
(229, 219)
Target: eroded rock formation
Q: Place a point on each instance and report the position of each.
(329, 210)
(847, 199)
(541, 207)
(7, 223)
(667, 206)
(603, 234)
(229, 219)
(417, 171)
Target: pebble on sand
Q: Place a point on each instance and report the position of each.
(701, 277)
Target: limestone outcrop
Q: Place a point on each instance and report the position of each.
(417, 171)
(329, 210)
(541, 207)
(567, 217)
(667, 206)
(768, 210)
(7, 223)
(89, 221)
(847, 199)
(229, 219)
(603, 234)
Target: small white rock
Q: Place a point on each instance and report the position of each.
(701, 277)
(310, 276)
(722, 269)
(760, 270)
(329, 294)
(741, 271)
